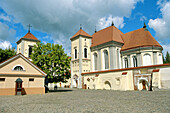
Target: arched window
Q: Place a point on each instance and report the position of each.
(147, 60)
(135, 61)
(75, 53)
(160, 59)
(106, 59)
(18, 68)
(30, 51)
(95, 61)
(126, 62)
(85, 52)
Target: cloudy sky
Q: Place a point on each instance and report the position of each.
(56, 21)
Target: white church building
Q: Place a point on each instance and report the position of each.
(110, 59)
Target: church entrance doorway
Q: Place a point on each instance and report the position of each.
(107, 85)
(75, 81)
(143, 84)
(18, 88)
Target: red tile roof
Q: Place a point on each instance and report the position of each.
(30, 36)
(106, 35)
(139, 38)
(82, 33)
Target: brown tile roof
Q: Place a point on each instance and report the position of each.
(30, 36)
(82, 33)
(106, 35)
(139, 38)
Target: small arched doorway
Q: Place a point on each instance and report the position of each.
(107, 85)
(75, 80)
(143, 84)
(19, 86)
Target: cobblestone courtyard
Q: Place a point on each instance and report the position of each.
(88, 101)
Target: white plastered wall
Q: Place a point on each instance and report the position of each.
(116, 79)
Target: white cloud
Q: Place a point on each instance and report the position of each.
(166, 48)
(65, 43)
(6, 33)
(5, 18)
(45, 37)
(44, 42)
(57, 17)
(162, 25)
(107, 21)
(143, 18)
(5, 45)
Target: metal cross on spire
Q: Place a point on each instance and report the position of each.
(29, 26)
(80, 26)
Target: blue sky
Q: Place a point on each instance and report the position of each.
(56, 21)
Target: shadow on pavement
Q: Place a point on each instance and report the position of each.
(60, 90)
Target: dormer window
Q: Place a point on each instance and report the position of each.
(18, 68)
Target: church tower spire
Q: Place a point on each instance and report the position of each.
(29, 26)
(144, 25)
(80, 26)
(95, 29)
(112, 23)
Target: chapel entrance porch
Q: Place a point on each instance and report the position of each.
(142, 79)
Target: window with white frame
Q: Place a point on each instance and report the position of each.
(126, 62)
(30, 51)
(75, 53)
(85, 52)
(134, 61)
(18, 68)
(106, 59)
(160, 59)
(147, 60)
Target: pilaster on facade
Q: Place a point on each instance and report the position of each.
(80, 62)
(99, 66)
(112, 60)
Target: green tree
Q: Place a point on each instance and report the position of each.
(167, 58)
(52, 60)
(7, 53)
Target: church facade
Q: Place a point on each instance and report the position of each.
(110, 59)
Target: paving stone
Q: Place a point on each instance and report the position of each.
(88, 101)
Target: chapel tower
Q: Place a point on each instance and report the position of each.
(80, 57)
(25, 44)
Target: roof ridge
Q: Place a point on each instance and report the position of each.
(102, 29)
(133, 31)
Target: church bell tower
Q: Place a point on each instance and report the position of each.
(80, 57)
(25, 44)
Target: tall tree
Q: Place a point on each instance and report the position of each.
(52, 60)
(167, 58)
(7, 53)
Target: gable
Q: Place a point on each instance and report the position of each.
(28, 69)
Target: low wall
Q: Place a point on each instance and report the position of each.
(25, 91)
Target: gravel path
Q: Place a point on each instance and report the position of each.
(88, 101)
